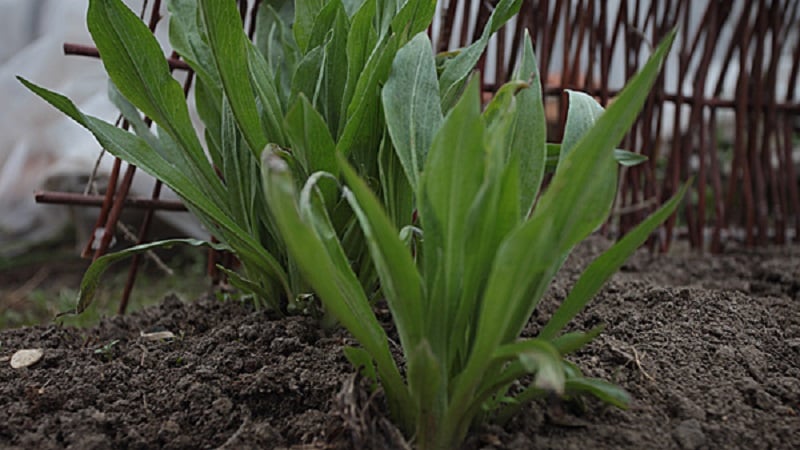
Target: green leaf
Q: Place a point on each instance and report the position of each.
(582, 114)
(268, 95)
(606, 265)
(538, 357)
(185, 37)
(411, 104)
(311, 141)
(492, 216)
(622, 157)
(275, 42)
(305, 13)
(414, 17)
(361, 43)
(605, 391)
(135, 63)
(362, 361)
(307, 78)
(91, 278)
(237, 167)
(530, 131)
(330, 32)
(398, 195)
(363, 131)
(628, 159)
(457, 69)
(571, 342)
(428, 388)
(229, 44)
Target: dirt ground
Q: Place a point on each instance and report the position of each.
(708, 347)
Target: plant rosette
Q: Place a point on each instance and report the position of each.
(461, 298)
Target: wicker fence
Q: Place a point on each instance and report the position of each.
(726, 111)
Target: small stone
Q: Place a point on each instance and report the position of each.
(157, 335)
(26, 358)
(689, 435)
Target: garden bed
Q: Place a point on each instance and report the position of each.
(708, 347)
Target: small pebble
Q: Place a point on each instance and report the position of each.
(26, 358)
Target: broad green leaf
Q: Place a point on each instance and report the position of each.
(135, 63)
(386, 11)
(311, 141)
(307, 78)
(363, 131)
(414, 17)
(352, 6)
(457, 69)
(229, 44)
(582, 114)
(493, 214)
(269, 97)
(400, 281)
(305, 13)
(330, 32)
(275, 42)
(411, 104)
(500, 117)
(530, 131)
(186, 39)
(606, 265)
(91, 278)
(361, 43)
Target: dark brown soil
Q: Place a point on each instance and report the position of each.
(709, 349)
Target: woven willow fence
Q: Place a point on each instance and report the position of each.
(726, 111)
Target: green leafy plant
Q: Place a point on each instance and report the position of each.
(107, 349)
(309, 86)
(488, 249)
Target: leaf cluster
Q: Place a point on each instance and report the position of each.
(461, 296)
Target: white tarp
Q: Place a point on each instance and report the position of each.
(39, 147)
